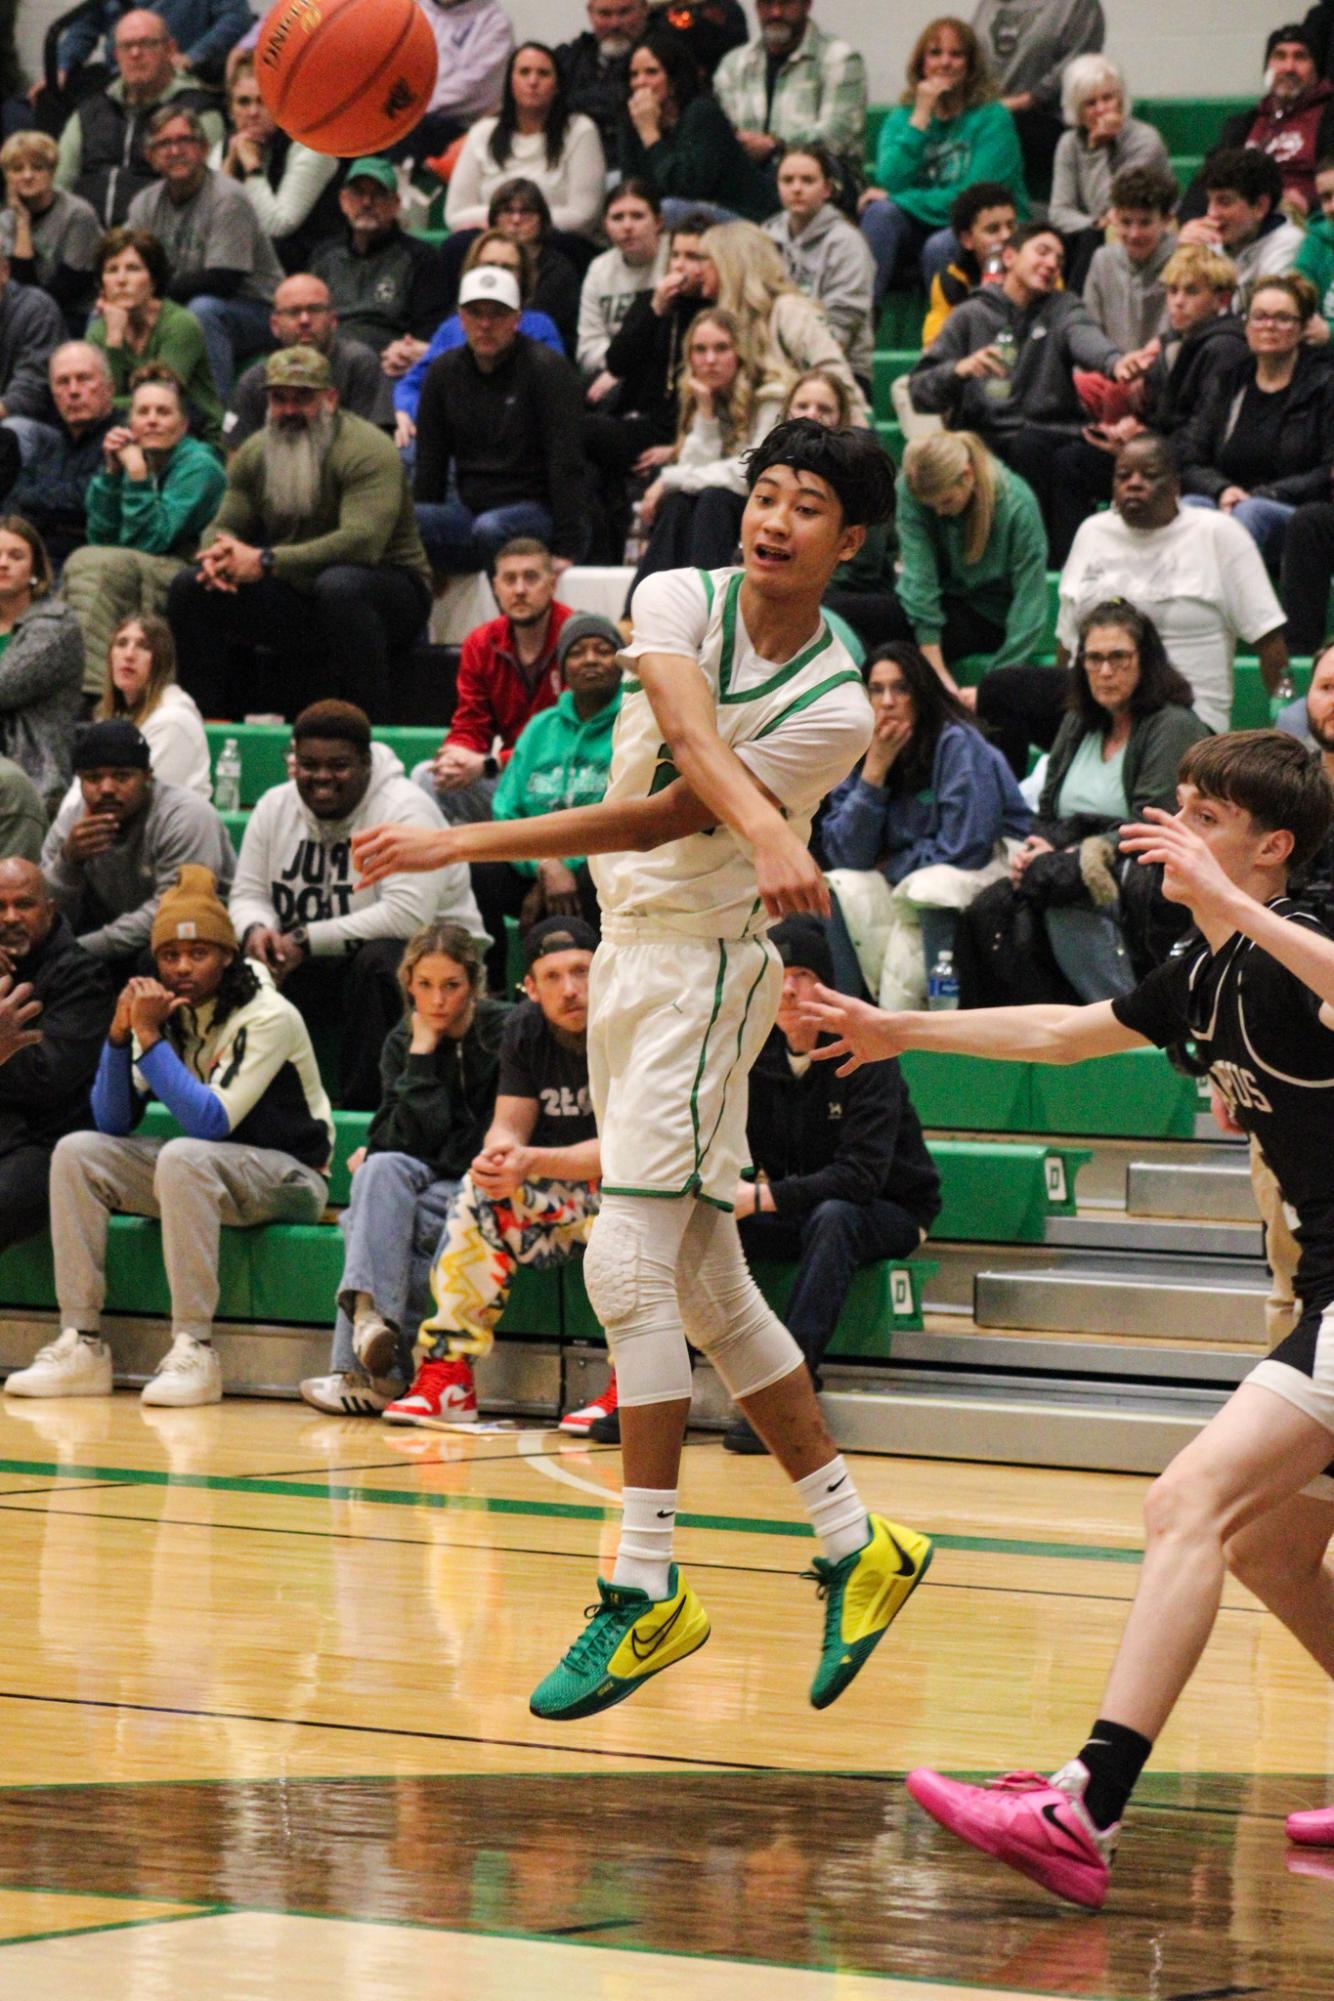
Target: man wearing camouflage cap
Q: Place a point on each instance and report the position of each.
(314, 555)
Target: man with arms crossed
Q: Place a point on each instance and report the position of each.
(739, 691)
(1253, 988)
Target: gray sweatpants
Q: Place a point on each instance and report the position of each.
(194, 1186)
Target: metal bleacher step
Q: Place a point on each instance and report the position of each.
(1169, 1233)
(1217, 1187)
(1115, 1428)
(1124, 1292)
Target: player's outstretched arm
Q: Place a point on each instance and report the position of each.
(1193, 877)
(866, 1034)
(610, 827)
(788, 877)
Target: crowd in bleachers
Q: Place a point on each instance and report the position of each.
(268, 419)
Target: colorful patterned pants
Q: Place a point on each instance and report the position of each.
(482, 1244)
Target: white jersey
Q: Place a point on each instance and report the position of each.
(799, 726)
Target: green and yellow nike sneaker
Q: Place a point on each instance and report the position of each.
(864, 1593)
(629, 1636)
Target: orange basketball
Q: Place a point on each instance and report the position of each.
(346, 76)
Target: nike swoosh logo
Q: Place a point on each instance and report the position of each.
(834, 1485)
(906, 1565)
(1053, 1819)
(652, 1641)
(665, 1514)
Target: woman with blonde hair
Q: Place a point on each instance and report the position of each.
(141, 688)
(973, 556)
(782, 332)
(946, 132)
(861, 591)
(693, 508)
(53, 234)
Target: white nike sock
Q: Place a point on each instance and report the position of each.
(835, 1509)
(648, 1522)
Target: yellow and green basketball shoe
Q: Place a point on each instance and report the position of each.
(864, 1593)
(629, 1636)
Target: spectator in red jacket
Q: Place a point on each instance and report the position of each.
(508, 670)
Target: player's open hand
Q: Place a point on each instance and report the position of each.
(789, 878)
(865, 1034)
(379, 852)
(1191, 875)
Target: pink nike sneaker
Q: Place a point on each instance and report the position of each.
(1312, 1830)
(1039, 1826)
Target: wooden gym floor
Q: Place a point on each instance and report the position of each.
(264, 1733)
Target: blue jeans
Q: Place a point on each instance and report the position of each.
(940, 247)
(35, 438)
(390, 1230)
(1265, 521)
(231, 327)
(896, 239)
(831, 1243)
(458, 541)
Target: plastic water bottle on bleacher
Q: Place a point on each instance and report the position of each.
(999, 388)
(942, 982)
(227, 778)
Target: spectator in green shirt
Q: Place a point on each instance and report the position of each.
(148, 507)
(135, 322)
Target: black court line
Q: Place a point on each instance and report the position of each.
(383, 1730)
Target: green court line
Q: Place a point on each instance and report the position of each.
(325, 1490)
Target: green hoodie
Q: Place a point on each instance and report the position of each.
(923, 171)
(558, 761)
(1007, 585)
(1315, 260)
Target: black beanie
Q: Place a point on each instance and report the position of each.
(802, 941)
(115, 745)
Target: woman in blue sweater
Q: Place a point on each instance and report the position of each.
(930, 794)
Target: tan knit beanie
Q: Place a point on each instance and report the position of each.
(191, 908)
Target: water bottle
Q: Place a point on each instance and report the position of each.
(998, 388)
(1285, 691)
(993, 271)
(942, 983)
(227, 778)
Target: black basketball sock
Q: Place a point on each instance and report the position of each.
(1115, 1757)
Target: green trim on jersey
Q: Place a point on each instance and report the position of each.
(727, 660)
(740, 1034)
(707, 582)
(703, 1056)
(658, 1194)
(801, 702)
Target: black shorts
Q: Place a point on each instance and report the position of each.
(1301, 1370)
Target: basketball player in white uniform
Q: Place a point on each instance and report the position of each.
(741, 712)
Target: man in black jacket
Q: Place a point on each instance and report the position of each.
(595, 66)
(44, 1089)
(842, 1174)
(505, 411)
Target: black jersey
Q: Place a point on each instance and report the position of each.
(1257, 1028)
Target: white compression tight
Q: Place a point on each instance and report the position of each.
(661, 1272)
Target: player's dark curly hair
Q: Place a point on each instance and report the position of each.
(854, 463)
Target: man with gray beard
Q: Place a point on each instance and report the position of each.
(314, 555)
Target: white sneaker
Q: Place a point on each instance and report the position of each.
(374, 1343)
(353, 1393)
(189, 1373)
(69, 1366)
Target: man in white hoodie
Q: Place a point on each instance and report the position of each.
(335, 949)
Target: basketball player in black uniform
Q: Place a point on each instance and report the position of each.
(1253, 987)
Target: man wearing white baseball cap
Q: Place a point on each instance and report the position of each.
(507, 414)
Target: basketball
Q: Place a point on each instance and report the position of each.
(346, 76)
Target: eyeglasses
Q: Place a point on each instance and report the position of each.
(140, 43)
(1115, 663)
(185, 145)
(1274, 319)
